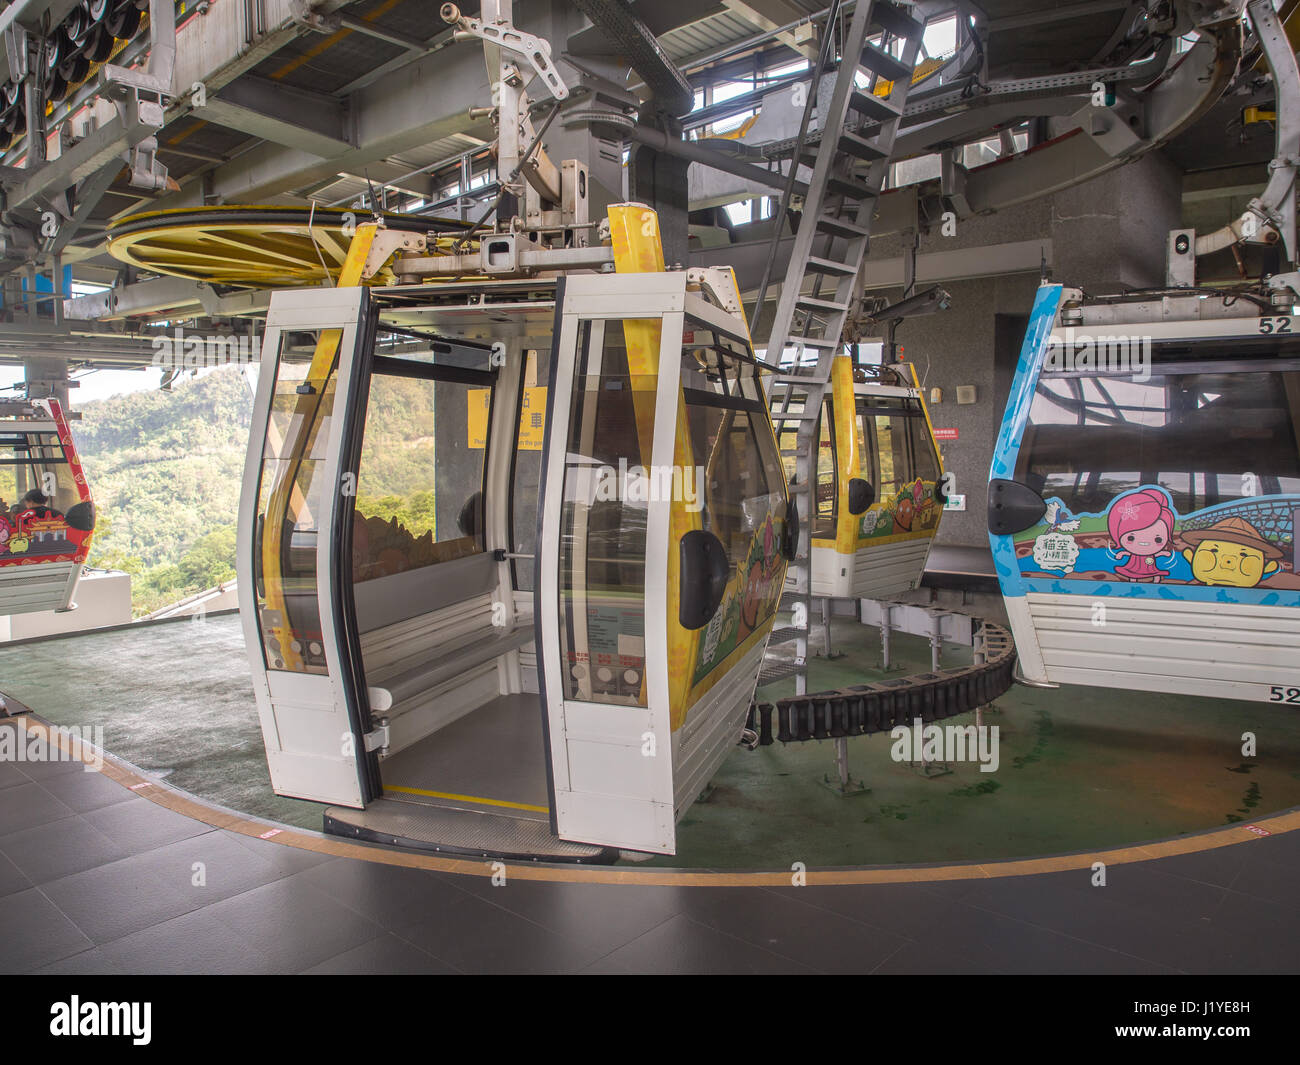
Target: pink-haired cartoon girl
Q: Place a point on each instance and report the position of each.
(1141, 526)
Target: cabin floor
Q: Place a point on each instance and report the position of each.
(477, 786)
(1079, 768)
(493, 758)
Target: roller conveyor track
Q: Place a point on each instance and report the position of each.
(862, 709)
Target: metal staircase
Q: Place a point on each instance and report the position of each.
(857, 127)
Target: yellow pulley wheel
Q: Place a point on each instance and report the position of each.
(257, 247)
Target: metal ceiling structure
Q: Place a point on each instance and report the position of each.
(238, 102)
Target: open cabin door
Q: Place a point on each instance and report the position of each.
(660, 566)
(295, 532)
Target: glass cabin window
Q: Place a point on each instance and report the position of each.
(35, 460)
(419, 491)
(293, 503)
(727, 424)
(1206, 438)
(602, 523)
(897, 447)
(827, 479)
(525, 517)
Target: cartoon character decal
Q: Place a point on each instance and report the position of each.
(911, 511)
(1141, 539)
(1141, 526)
(1230, 552)
(40, 534)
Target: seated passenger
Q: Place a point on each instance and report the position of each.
(36, 504)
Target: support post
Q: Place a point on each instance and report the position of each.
(885, 610)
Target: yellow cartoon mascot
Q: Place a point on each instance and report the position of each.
(1232, 553)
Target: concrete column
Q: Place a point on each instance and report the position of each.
(1109, 234)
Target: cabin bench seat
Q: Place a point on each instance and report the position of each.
(392, 685)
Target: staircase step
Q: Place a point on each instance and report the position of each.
(813, 342)
(814, 304)
(895, 20)
(874, 107)
(885, 65)
(785, 634)
(840, 227)
(831, 267)
(861, 148)
(854, 190)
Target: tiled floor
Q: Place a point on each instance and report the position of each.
(94, 879)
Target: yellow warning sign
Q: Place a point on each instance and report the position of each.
(532, 418)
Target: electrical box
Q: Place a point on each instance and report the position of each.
(965, 393)
(1180, 268)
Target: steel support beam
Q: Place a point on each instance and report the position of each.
(1057, 14)
(774, 16)
(693, 152)
(163, 295)
(101, 148)
(431, 100)
(992, 260)
(290, 117)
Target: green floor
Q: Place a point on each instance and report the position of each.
(1081, 768)
(173, 698)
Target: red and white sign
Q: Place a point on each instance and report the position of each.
(945, 434)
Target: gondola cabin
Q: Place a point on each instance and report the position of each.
(514, 551)
(879, 494)
(47, 517)
(1144, 496)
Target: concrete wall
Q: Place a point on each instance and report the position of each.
(1105, 235)
(102, 599)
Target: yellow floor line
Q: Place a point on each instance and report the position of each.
(198, 809)
(468, 798)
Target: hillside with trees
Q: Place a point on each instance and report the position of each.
(165, 471)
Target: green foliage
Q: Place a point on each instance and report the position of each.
(165, 470)
(415, 513)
